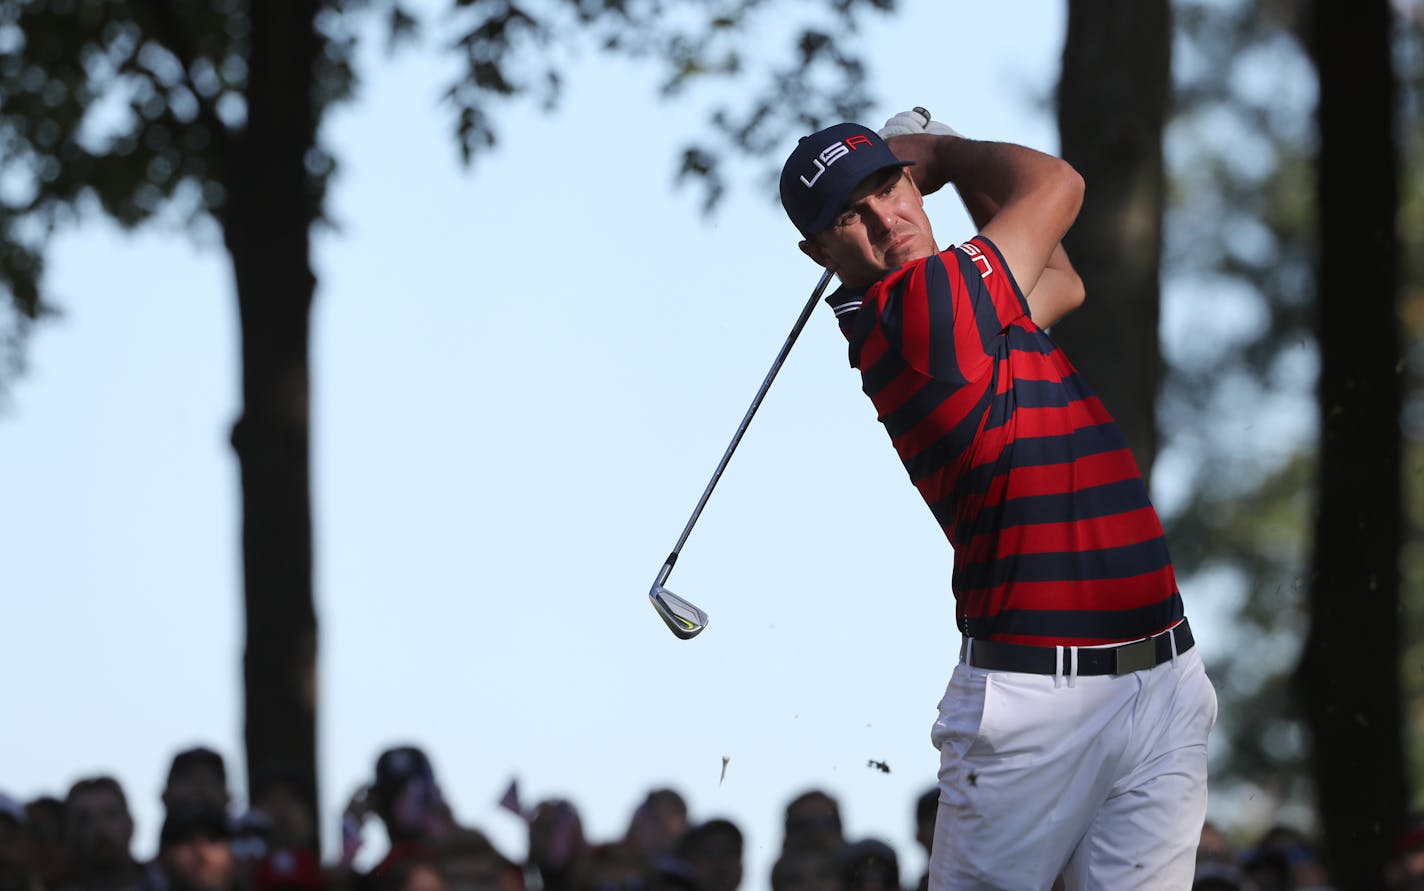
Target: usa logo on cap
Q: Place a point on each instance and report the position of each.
(825, 168)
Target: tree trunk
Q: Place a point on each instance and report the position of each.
(267, 230)
(1112, 103)
(1349, 672)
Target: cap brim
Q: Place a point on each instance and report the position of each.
(833, 209)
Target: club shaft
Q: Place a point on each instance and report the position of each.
(746, 420)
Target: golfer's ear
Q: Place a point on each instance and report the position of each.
(815, 252)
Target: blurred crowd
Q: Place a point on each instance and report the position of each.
(84, 842)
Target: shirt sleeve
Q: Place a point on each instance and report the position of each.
(995, 294)
(944, 315)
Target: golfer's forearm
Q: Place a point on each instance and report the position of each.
(1038, 197)
(980, 206)
(1000, 172)
(1058, 292)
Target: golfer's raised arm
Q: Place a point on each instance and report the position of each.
(1059, 290)
(1036, 198)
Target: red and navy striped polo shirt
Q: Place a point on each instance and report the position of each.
(1055, 540)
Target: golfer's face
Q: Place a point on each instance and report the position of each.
(882, 228)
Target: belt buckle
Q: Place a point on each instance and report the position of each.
(1136, 656)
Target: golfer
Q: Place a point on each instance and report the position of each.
(1073, 732)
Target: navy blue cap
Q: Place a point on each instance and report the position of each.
(398, 766)
(187, 822)
(825, 168)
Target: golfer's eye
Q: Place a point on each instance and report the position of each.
(846, 219)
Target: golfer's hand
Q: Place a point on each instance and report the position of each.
(916, 120)
(912, 136)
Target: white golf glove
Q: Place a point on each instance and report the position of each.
(917, 120)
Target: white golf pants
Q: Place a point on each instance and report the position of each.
(1101, 779)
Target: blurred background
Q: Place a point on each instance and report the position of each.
(362, 360)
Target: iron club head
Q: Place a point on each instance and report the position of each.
(684, 619)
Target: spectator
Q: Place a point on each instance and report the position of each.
(804, 867)
(98, 835)
(251, 841)
(197, 778)
(45, 819)
(470, 862)
(870, 865)
(409, 803)
(195, 848)
(412, 874)
(658, 823)
(712, 852)
(616, 866)
(926, 809)
(1214, 845)
(1285, 860)
(1405, 870)
(813, 819)
(407, 798)
(16, 871)
(1217, 875)
(287, 861)
(558, 850)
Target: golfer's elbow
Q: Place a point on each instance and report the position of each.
(1075, 294)
(1060, 290)
(1059, 293)
(1073, 186)
(1067, 188)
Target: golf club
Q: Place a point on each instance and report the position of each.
(683, 618)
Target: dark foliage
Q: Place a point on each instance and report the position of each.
(132, 108)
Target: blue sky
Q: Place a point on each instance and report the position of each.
(523, 376)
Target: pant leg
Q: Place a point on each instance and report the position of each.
(1025, 765)
(1145, 835)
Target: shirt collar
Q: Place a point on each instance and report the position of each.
(845, 301)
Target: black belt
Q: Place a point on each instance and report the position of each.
(1149, 652)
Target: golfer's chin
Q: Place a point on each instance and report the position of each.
(872, 269)
(899, 258)
(909, 252)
